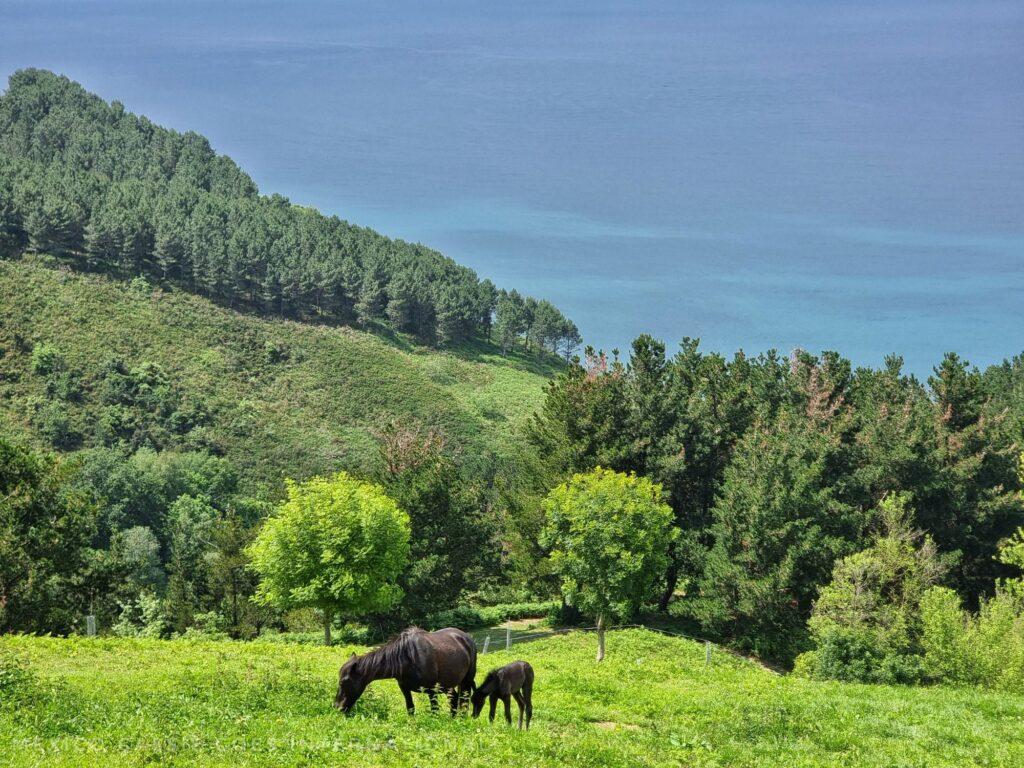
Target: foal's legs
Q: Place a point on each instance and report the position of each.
(507, 700)
(522, 707)
(494, 704)
(527, 694)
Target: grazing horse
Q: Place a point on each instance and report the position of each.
(513, 680)
(428, 662)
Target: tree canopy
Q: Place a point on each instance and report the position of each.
(609, 534)
(337, 545)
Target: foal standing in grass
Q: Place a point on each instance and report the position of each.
(514, 680)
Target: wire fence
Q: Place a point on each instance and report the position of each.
(495, 639)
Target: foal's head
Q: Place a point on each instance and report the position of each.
(482, 691)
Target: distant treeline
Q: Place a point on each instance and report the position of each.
(110, 191)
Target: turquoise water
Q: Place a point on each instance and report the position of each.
(826, 175)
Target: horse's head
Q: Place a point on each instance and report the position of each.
(351, 684)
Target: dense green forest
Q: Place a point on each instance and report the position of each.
(778, 468)
(859, 522)
(109, 191)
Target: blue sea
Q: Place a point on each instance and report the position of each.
(823, 175)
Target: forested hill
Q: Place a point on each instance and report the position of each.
(109, 191)
(87, 361)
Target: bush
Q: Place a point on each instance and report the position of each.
(15, 676)
(53, 422)
(347, 634)
(468, 617)
(987, 649)
(143, 617)
(853, 655)
(207, 626)
(944, 632)
(46, 359)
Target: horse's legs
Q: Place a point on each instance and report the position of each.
(408, 699)
(494, 704)
(507, 701)
(522, 707)
(432, 693)
(453, 699)
(462, 694)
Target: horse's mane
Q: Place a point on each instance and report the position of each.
(396, 655)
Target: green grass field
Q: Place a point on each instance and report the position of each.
(311, 412)
(93, 702)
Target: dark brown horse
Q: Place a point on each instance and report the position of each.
(514, 680)
(427, 662)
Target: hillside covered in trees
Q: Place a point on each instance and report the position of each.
(107, 190)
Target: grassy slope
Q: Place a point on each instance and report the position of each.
(309, 414)
(651, 702)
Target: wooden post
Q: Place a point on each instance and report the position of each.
(487, 644)
(707, 653)
(508, 638)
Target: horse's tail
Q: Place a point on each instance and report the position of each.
(471, 672)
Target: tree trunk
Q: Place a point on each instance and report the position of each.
(600, 638)
(327, 627)
(671, 580)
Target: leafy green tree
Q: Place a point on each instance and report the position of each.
(190, 523)
(136, 551)
(230, 581)
(454, 542)
(46, 525)
(609, 535)
(337, 545)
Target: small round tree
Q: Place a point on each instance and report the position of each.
(609, 535)
(337, 544)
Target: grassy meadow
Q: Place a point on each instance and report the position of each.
(282, 397)
(88, 702)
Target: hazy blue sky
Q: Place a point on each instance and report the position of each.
(817, 174)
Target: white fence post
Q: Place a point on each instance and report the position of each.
(707, 653)
(508, 638)
(487, 644)
(90, 625)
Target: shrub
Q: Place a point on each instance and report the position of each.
(15, 676)
(467, 617)
(945, 628)
(207, 626)
(986, 649)
(866, 623)
(143, 617)
(46, 359)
